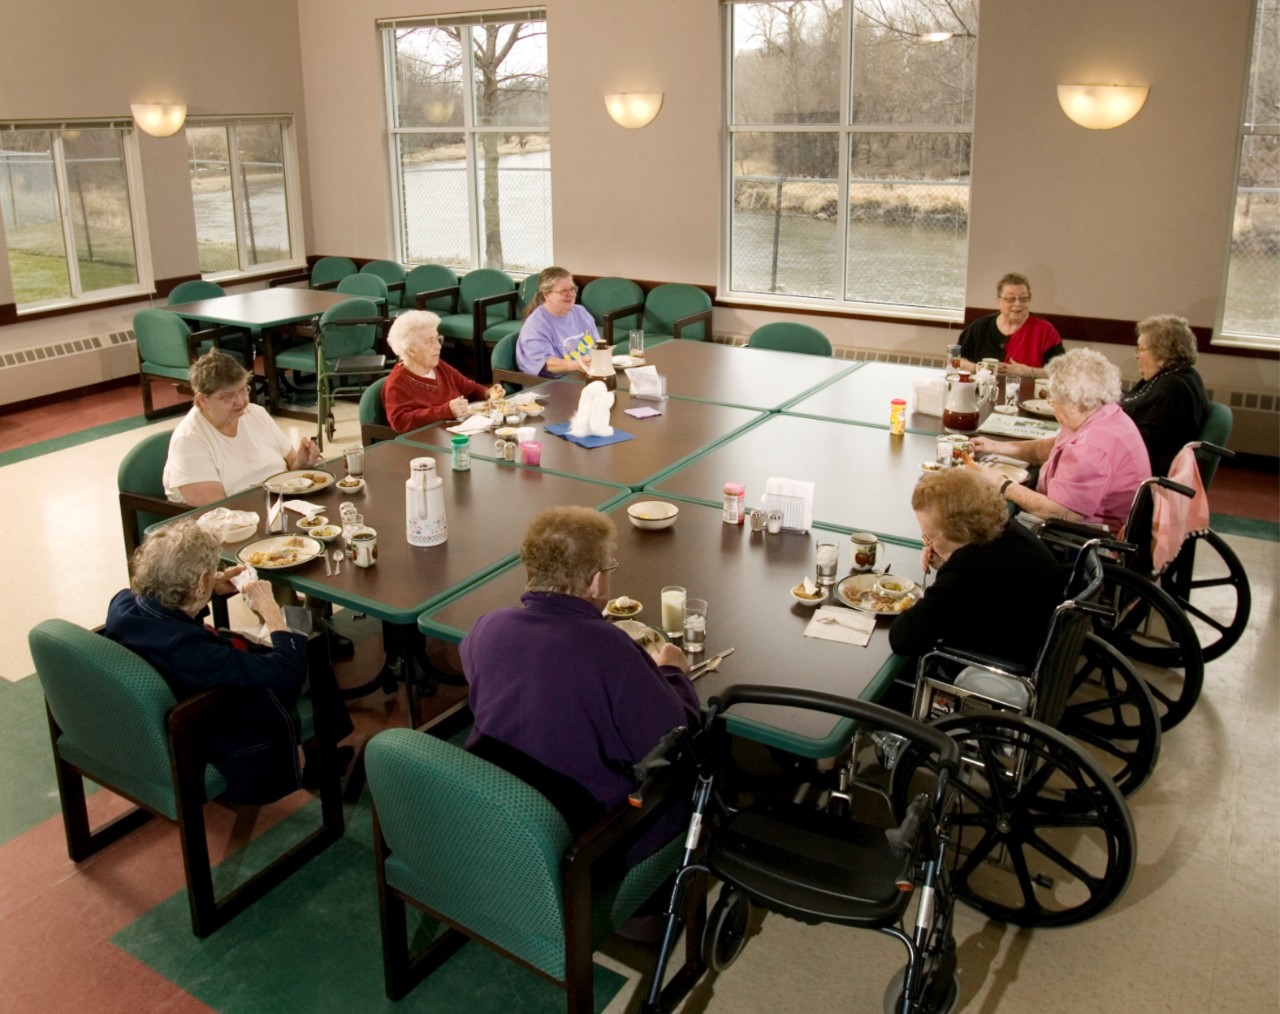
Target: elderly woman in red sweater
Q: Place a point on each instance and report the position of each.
(421, 389)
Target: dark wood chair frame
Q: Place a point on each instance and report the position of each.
(194, 340)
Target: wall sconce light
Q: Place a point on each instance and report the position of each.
(1101, 107)
(159, 119)
(634, 109)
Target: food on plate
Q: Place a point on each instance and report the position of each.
(807, 589)
(349, 482)
(623, 606)
(326, 532)
(272, 558)
(885, 604)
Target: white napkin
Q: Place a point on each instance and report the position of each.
(471, 425)
(644, 382)
(307, 510)
(794, 497)
(849, 627)
(524, 398)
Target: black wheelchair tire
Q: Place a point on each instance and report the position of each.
(726, 932)
(1216, 636)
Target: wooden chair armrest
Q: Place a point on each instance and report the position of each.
(396, 286)
(481, 306)
(622, 825)
(612, 315)
(300, 276)
(517, 378)
(327, 285)
(690, 320)
(453, 291)
(373, 433)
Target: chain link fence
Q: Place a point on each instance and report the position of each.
(1252, 305)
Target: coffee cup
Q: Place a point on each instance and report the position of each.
(866, 551)
(363, 545)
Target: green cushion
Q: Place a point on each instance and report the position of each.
(604, 294)
(162, 341)
(665, 304)
(372, 409)
(790, 336)
(142, 469)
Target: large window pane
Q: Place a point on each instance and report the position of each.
(433, 187)
(510, 74)
(210, 168)
(786, 63)
(98, 209)
(515, 200)
(428, 78)
(32, 217)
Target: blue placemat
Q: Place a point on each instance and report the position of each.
(561, 429)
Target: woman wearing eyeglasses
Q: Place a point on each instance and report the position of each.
(1169, 404)
(557, 333)
(226, 444)
(1021, 342)
(422, 389)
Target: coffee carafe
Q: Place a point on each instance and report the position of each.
(964, 402)
(424, 518)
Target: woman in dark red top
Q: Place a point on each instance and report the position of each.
(422, 389)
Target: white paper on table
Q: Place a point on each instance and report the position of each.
(524, 398)
(471, 425)
(794, 497)
(849, 627)
(307, 510)
(642, 412)
(644, 381)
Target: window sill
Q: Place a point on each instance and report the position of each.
(852, 311)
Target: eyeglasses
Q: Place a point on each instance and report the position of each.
(609, 567)
(1141, 348)
(572, 290)
(229, 397)
(433, 339)
(1015, 299)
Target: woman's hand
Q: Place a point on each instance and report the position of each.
(261, 599)
(669, 654)
(927, 559)
(458, 407)
(222, 584)
(992, 477)
(584, 363)
(305, 455)
(497, 392)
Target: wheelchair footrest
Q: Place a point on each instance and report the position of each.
(812, 866)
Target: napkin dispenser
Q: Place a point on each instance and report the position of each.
(929, 395)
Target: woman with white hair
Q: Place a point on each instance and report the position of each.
(1091, 470)
(422, 389)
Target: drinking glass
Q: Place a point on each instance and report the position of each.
(355, 459)
(826, 558)
(673, 600)
(695, 625)
(635, 344)
(953, 357)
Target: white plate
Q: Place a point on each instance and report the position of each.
(1014, 472)
(1038, 406)
(852, 589)
(620, 615)
(1005, 409)
(297, 550)
(625, 362)
(302, 480)
(649, 638)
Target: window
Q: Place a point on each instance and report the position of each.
(71, 212)
(470, 151)
(1251, 309)
(850, 129)
(242, 187)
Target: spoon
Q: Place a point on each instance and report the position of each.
(338, 557)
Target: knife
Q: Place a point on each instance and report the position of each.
(702, 667)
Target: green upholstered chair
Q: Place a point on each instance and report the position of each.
(1216, 430)
(325, 273)
(114, 720)
(676, 310)
(166, 348)
(431, 287)
(140, 483)
(367, 286)
(486, 853)
(615, 304)
(393, 273)
(504, 368)
(789, 336)
(196, 288)
(494, 333)
(352, 328)
(374, 425)
(486, 297)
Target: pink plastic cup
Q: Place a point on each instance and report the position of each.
(531, 452)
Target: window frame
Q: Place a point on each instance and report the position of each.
(469, 129)
(292, 187)
(845, 129)
(131, 159)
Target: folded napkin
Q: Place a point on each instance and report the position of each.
(561, 429)
(645, 382)
(471, 425)
(304, 508)
(843, 625)
(642, 412)
(794, 497)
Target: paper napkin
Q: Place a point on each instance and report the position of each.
(794, 497)
(844, 625)
(471, 425)
(642, 412)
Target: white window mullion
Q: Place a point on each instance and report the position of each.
(64, 208)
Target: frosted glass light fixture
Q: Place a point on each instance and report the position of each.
(159, 119)
(633, 109)
(1101, 107)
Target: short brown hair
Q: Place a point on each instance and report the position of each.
(216, 371)
(564, 547)
(168, 564)
(1013, 278)
(967, 509)
(1171, 340)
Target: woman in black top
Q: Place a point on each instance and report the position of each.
(1169, 404)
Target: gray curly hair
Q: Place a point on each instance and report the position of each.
(1170, 339)
(168, 564)
(1083, 378)
(410, 327)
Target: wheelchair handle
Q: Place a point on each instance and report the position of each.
(1177, 487)
(657, 759)
(946, 748)
(1204, 445)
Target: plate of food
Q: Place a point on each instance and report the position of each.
(280, 552)
(303, 480)
(649, 638)
(351, 484)
(858, 591)
(808, 592)
(622, 608)
(1038, 406)
(1010, 471)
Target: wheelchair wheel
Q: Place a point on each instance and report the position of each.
(726, 932)
(1152, 629)
(1039, 835)
(1208, 582)
(1112, 713)
(938, 998)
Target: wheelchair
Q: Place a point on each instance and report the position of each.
(815, 866)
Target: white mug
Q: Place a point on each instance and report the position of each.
(363, 545)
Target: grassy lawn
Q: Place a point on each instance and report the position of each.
(39, 267)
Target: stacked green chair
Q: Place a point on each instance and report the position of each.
(615, 304)
(166, 348)
(676, 310)
(325, 273)
(114, 720)
(790, 336)
(488, 855)
(367, 286)
(374, 425)
(486, 297)
(431, 287)
(351, 328)
(393, 273)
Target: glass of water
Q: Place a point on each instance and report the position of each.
(635, 344)
(826, 558)
(695, 625)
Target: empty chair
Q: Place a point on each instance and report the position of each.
(393, 274)
(1216, 430)
(196, 288)
(431, 287)
(166, 348)
(615, 304)
(368, 286)
(325, 273)
(675, 310)
(494, 333)
(114, 720)
(373, 415)
(486, 297)
(790, 336)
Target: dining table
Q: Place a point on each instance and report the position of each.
(746, 578)
(678, 432)
(862, 475)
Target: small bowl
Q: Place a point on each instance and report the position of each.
(930, 466)
(816, 599)
(614, 611)
(505, 432)
(894, 587)
(325, 533)
(315, 521)
(1006, 409)
(532, 409)
(347, 486)
(653, 515)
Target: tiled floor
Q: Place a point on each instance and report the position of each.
(1198, 930)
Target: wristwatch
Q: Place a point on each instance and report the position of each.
(1004, 486)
